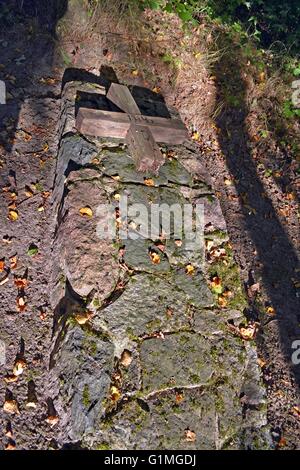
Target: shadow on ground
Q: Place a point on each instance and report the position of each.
(27, 45)
(276, 258)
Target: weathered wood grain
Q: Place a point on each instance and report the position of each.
(100, 123)
(121, 97)
(144, 149)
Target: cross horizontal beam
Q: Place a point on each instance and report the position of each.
(99, 123)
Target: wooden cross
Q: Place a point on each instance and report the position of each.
(140, 132)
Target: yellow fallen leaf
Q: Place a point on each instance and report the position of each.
(2, 265)
(13, 215)
(86, 211)
(270, 311)
(155, 258)
(190, 270)
(115, 393)
(156, 89)
(41, 208)
(82, 318)
(195, 135)
(135, 73)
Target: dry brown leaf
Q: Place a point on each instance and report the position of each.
(2, 266)
(10, 446)
(11, 406)
(10, 378)
(52, 420)
(126, 358)
(248, 332)
(190, 436)
(21, 304)
(19, 367)
(21, 283)
(13, 262)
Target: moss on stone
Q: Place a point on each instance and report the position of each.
(86, 400)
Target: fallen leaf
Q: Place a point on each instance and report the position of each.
(2, 265)
(13, 262)
(21, 304)
(155, 258)
(83, 318)
(11, 406)
(126, 358)
(296, 411)
(261, 362)
(45, 147)
(222, 301)
(86, 211)
(10, 446)
(190, 436)
(115, 393)
(135, 73)
(190, 270)
(52, 420)
(19, 367)
(13, 215)
(21, 283)
(41, 208)
(156, 89)
(195, 135)
(10, 378)
(28, 192)
(216, 285)
(149, 182)
(179, 397)
(270, 311)
(248, 332)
